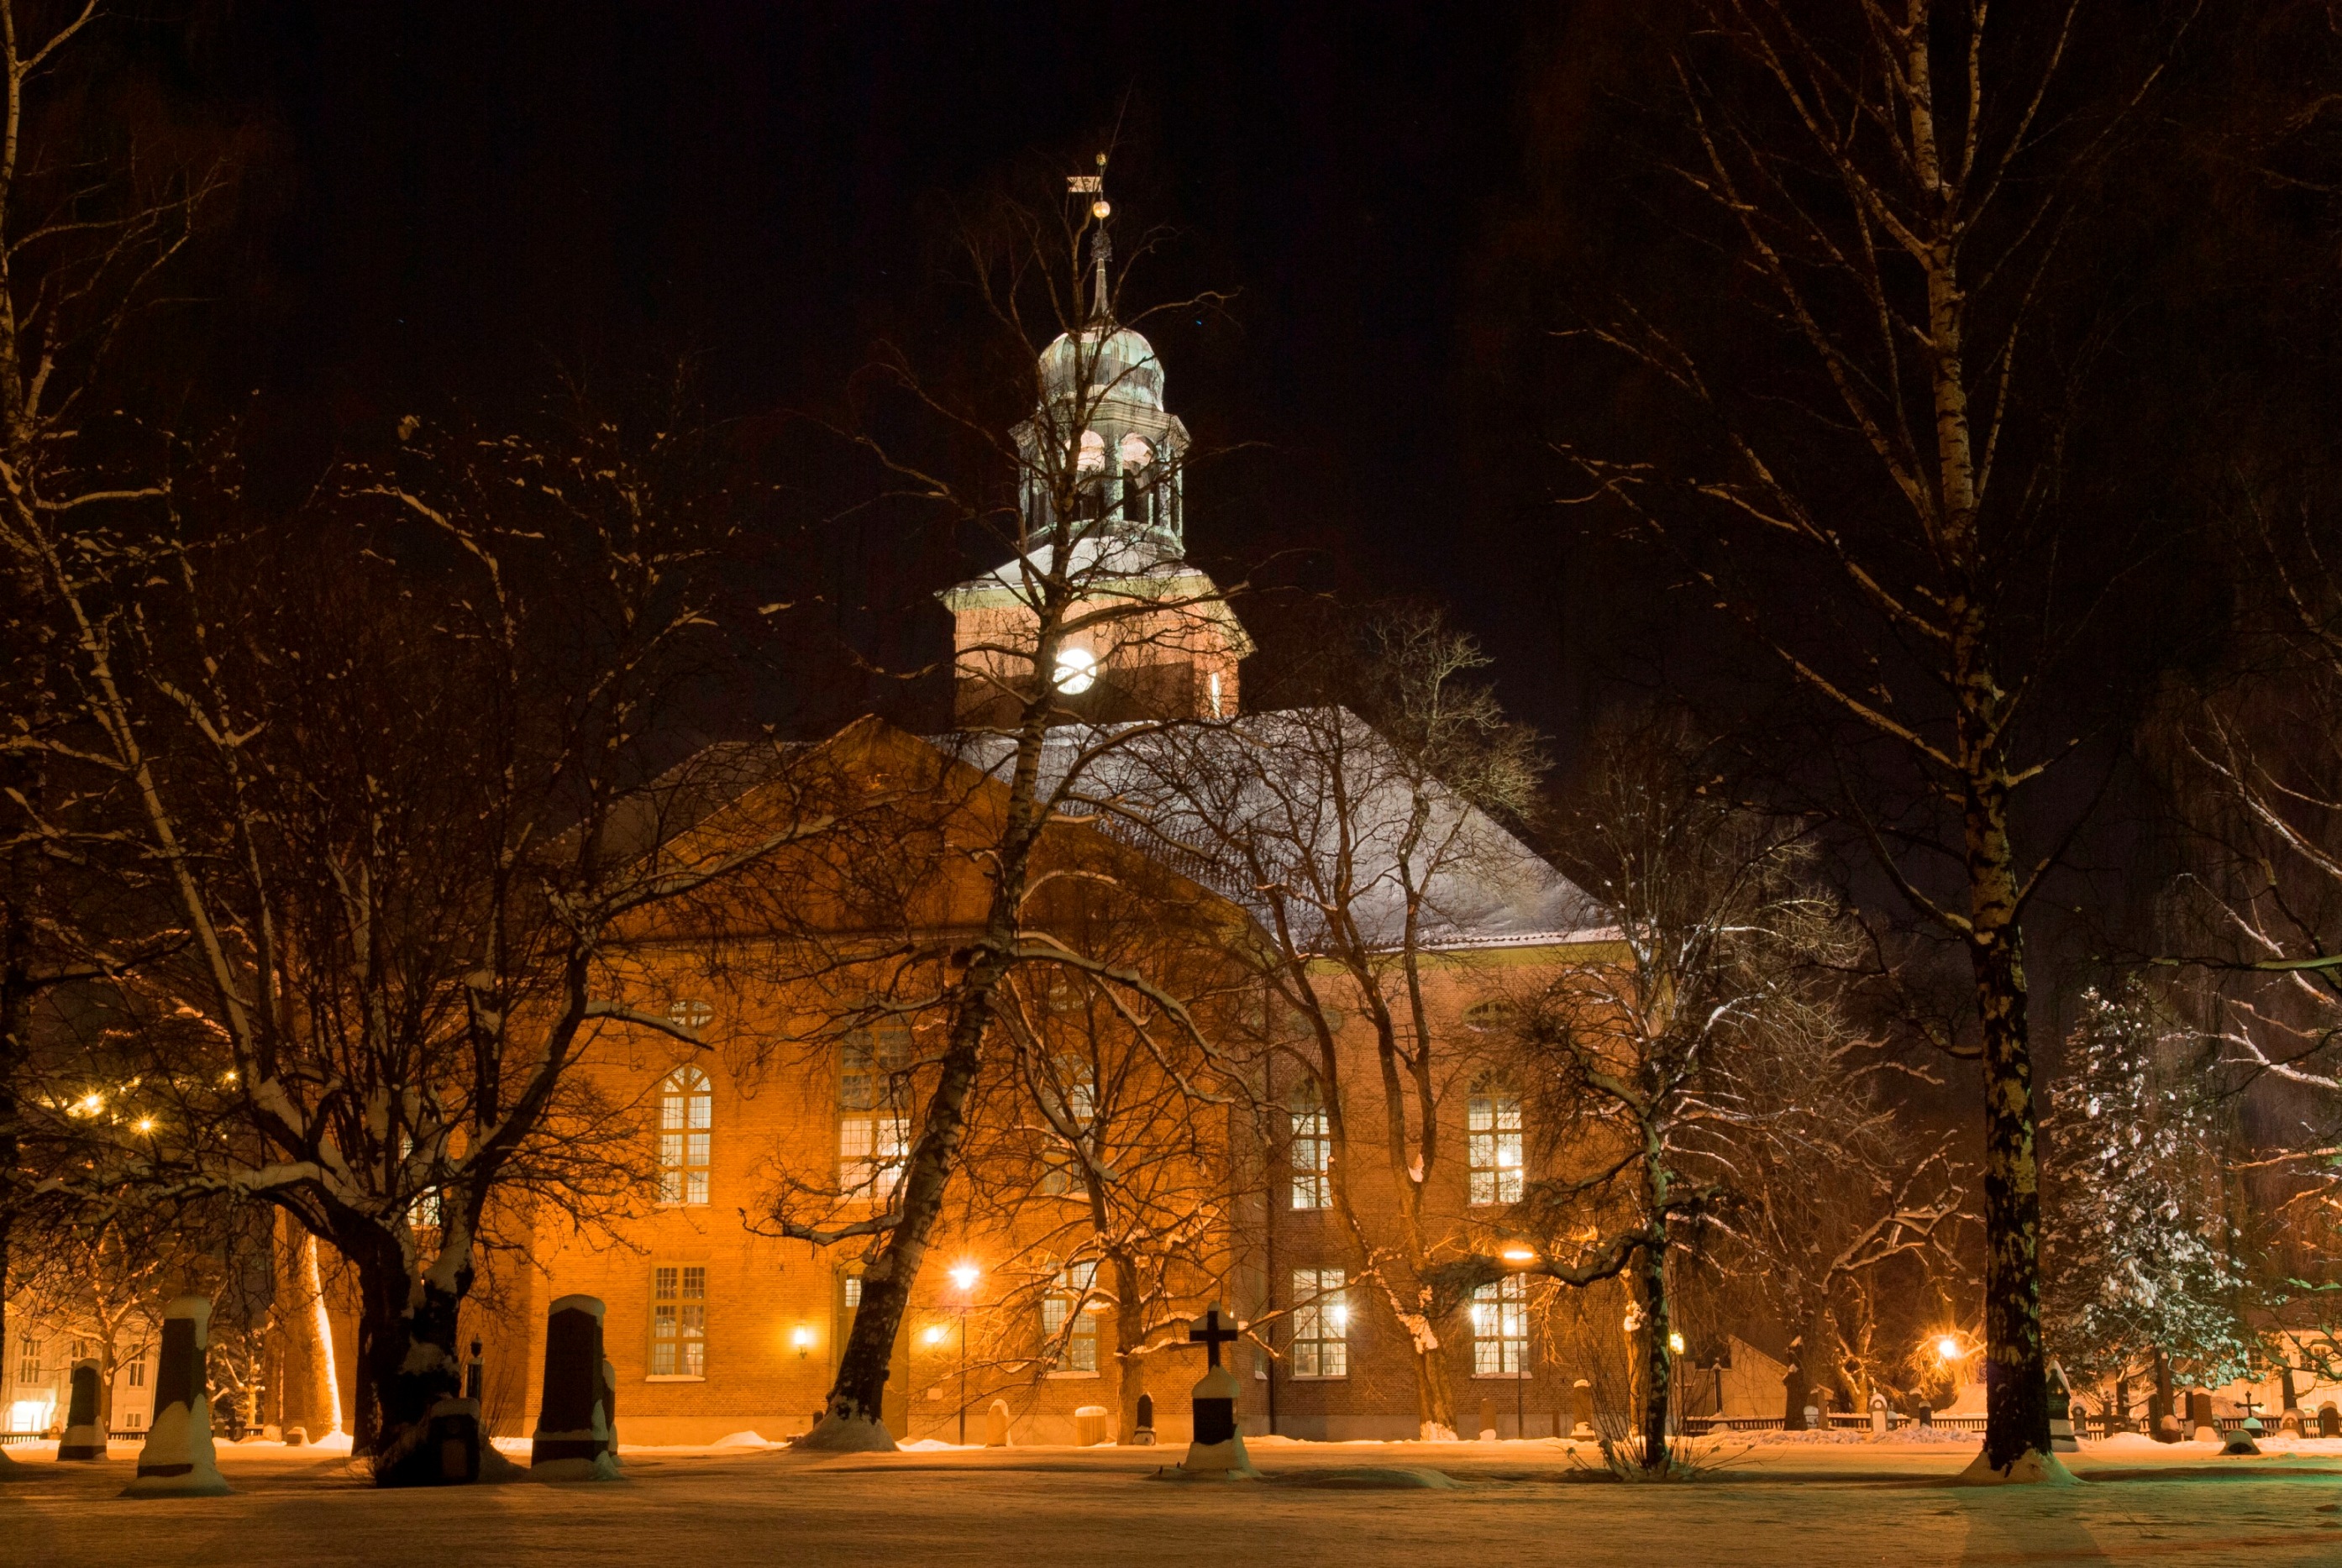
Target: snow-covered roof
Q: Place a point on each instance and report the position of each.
(1201, 796)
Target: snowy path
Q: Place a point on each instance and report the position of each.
(1514, 1503)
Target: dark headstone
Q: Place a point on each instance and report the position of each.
(84, 1439)
(1927, 1414)
(2200, 1422)
(2329, 1420)
(1581, 1409)
(1145, 1433)
(577, 1420)
(178, 1458)
(2061, 1412)
(471, 1375)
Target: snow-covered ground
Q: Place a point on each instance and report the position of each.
(1351, 1504)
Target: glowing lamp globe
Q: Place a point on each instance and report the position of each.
(1948, 1348)
(1077, 671)
(935, 1334)
(964, 1276)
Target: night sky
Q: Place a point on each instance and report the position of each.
(454, 200)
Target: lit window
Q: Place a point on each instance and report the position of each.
(852, 1285)
(28, 1362)
(1092, 452)
(1067, 1328)
(138, 1373)
(690, 1012)
(873, 1132)
(1500, 1328)
(679, 1320)
(686, 1112)
(1135, 452)
(1321, 1323)
(1312, 1154)
(1493, 1124)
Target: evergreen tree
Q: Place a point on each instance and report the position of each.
(2143, 1254)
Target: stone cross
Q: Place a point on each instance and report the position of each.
(179, 1459)
(84, 1437)
(1217, 1449)
(1212, 1335)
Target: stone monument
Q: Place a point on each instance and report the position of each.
(576, 1436)
(1144, 1436)
(85, 1438)
(1878, 1422)
(2201, 1425)
(1218, 1450)
(178, 1460)
(2061, 1412)
(1581, 1411)
(996, 1425)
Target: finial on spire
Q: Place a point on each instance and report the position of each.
(1101, 242)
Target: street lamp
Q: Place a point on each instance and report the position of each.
(963, 1276)
(1519, 1256)
(801, 1338)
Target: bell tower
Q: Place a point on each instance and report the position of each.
(1153, 637)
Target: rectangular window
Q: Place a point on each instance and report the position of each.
(1312, 1160)
(679, 1320)
(853, 1285)
(1321, 1323)
(1494, 1133)
(1076, 1345)
(138, 1373)
(1500, 1328)
(873, 1133)
(28, 1360)
(135, 1419)
(686, 1117)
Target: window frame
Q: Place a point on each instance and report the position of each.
(870, 1104)
(671, 1287)
(1489, 1176)
(687, 1128)
(1309, 1127)
(1320, 1296)
(1501, 1299)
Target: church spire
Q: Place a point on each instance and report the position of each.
(1101, 242)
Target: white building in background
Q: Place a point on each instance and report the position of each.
(39, 1373)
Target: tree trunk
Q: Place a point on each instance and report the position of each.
(407, 1352)
(852, 1417)
(2017, 1379)
(1434, 1391)
(309, 1393)
(1659, 1356)
(1129, 1337)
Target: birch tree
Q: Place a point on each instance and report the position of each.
(1874, 492)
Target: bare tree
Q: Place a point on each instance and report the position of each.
(1875, 499)
(1093, 635)
(1359, 830)
(85, 245)
(392, 788)
(1705, 1041)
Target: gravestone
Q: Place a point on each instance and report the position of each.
(1144, 1436)
(1091, 1426)
(2243, 1440)
(2329, 1420)
(84, 1439)
(1813, 1418)
(2290, 1422)
(2200, 1424)
(297, 1437)
(178, 1460)
(576, 1436)
(2061, 1412)
(1581, 1411)
(474, 1371)
(1487, 1421)
(1877, 1415)
(996, 1425)
(1218, 1450)
(1927, 1413)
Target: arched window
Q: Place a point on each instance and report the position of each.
(687, 1113)
(1136, 452)
(1092, 456)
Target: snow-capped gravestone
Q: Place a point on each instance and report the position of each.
(84, 1439)
(2200, 1416)
(996, 1425)
(1813, 1418)
(1877, 1415)
(1144, 1435)
(2061, 1412)
(1218, 1452)
(1581, 1411)
(178, 1460)
(576, 1436)
(1487, 1421)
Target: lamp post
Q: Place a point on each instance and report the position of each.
(1519, 1258)
(963, 1277)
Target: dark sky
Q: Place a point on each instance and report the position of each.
(456, 198)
